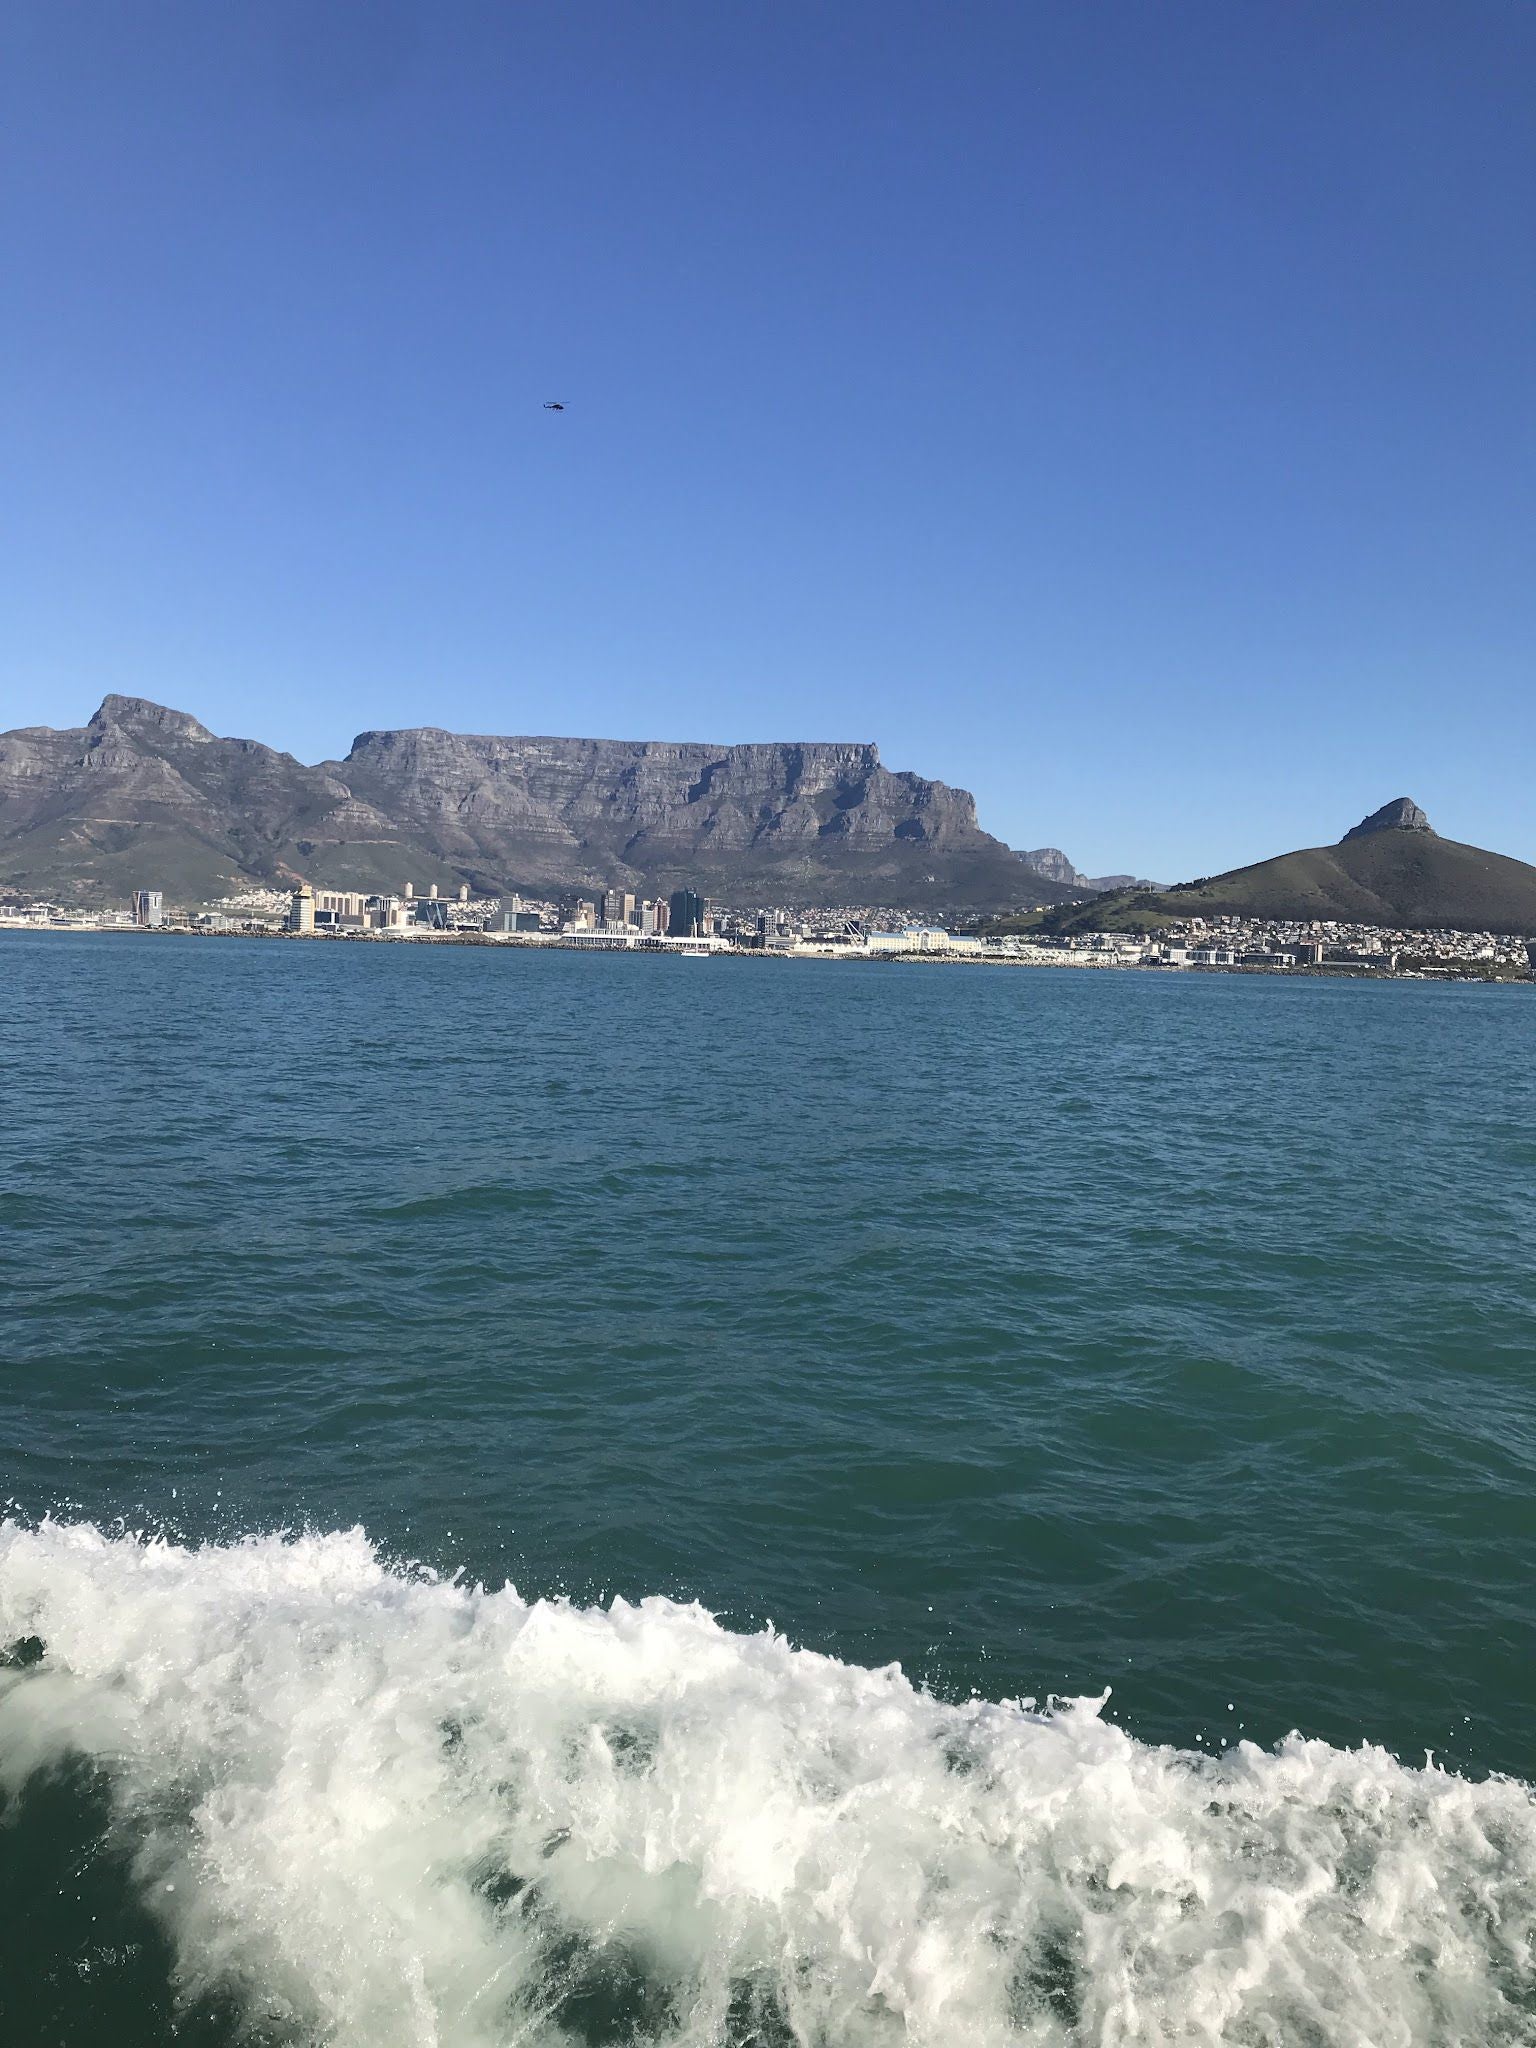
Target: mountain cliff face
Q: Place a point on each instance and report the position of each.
(1052, 865)
(1401, 815)
(147, 795)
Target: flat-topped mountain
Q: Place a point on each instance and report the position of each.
(1391, 869)
(146, 795)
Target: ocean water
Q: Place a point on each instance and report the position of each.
(566, 1500)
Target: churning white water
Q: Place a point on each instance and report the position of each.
(381, 1808)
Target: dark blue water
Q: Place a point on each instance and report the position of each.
(1042, 1331)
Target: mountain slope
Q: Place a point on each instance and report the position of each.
(146, 795)
(1392, 869)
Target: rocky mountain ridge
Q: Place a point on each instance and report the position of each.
(1052, 865)
(143, 794)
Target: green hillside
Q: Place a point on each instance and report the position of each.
(1404, 876)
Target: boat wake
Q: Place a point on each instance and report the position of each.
(372, 1807)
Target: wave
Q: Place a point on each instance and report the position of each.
(377, 1807)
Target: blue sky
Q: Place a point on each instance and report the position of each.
(1125, 411)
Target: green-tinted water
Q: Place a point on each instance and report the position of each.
(1042, 1331)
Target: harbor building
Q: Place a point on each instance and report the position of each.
(301, 911)
(514, 916)
(339, 909)
(148, 908)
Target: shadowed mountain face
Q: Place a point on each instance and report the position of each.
(145, 795)
(1391, 869)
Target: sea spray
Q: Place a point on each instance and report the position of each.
(380, 1808)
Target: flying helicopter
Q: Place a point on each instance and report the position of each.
(553, 405)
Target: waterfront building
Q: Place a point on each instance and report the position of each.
(339, 909)
(672, 944)
(301, 911)
(514, 917)
(918, 938)
(387, 914)
(148, 908)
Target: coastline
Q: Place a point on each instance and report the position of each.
(997, 956)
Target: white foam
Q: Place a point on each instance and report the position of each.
(405, 1811)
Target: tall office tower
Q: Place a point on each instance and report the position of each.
(686, 914)
(301, 911)
(147, 907)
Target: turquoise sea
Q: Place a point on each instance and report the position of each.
(586, 1499)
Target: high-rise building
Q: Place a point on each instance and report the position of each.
(301, 911)
(687, 915)
(617, 907)
(147, 907)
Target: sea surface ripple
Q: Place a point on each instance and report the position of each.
(1044, 1333)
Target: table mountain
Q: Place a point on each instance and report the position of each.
(147, 795)
(1391, 869)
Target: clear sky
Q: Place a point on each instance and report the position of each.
(1124, 410)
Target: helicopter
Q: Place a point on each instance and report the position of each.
(553, 405)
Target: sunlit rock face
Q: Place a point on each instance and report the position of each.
(1401, 815)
